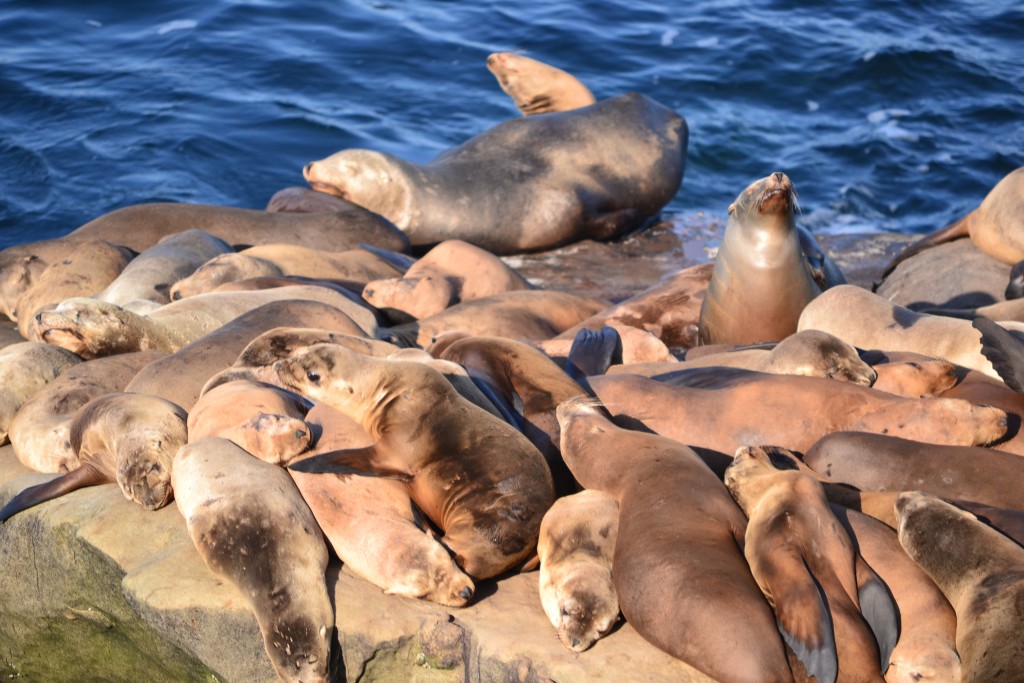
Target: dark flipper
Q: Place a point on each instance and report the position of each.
(55, 488)
(1015, 287)
(592, 353)
(359, 461)
(399, 261)
(1004, 350)
(878, 608)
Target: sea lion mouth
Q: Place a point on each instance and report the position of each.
(775, 200)
(326, 188)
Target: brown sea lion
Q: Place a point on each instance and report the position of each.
(761, 280)
(536, 87)
(725, 408)
(25, 368)
(701, 607)
(527, 184)
(834, 612)
(475, 476)
(577, 540)
(125, 438)
(252, 528)
(981, 573)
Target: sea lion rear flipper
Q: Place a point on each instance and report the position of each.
(55, 488)
(359, 461)
(878, 608)
(954, 231)
(1004, 350)
(400, 261)
(592, 353)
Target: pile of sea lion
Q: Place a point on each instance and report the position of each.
(771, 474)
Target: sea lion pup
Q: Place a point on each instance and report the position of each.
(980, 572)
(761, 280)
(701, 607)
(252, 528)
(429, 436)
(93, 328)
(725, 408)
(868, 321)
(873, 462)
(130, 439)
(525, 314)
(264, 420)
(834, 612)
(452, 272)
(577, 539)
(526, 184)
(372, 524)
(25, 368)
(40, 432)
(536, 87)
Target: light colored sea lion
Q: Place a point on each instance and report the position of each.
(981, 573)
(40, 432)
(702, 607)
(761, 281)
(130, 439)
(833, 611)
(25, 368)
(305, 200)
(475, 476)
(526, 184)
(868, 321)
(577, 540)
(526, 314)
(452, 272)
(93, 328)
(252, 528)
(725, 408)
(536, 87)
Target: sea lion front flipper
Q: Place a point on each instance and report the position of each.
(500, 392)
(592, 353)
(361, 461)
(55, 488)
(400, 261)
(1004, 350)
(878, 608)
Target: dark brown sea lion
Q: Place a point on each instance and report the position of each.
(536, 87)
(475, 476)
(527, 184)
(702, 607)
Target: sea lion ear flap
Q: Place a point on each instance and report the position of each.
(732, 209)
(878, 608)
(592, 353)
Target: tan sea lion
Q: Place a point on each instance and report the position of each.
(434, 439)
(834, 612)
(702, 607)
(981, 573)
(25, 368)
(761, 280)
(915, 378)
(252, 528)
(125, 438)
(526, 184)
(536, 87)
(577, 540)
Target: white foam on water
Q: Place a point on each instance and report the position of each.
(94, 23)
(708, 42)
(668, 36)
(176, 25)
(812, 105)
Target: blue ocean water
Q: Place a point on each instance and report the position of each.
(889, 115)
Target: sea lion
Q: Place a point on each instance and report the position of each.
(475, 476)
(914, 378)
(93, 328)
(452, 272)
(526, 184)
(456, 375)
(252, 528)
(868, 321)
(834, 612)
(981, 573)
(305, 200)
(25, 368)
(20, 268)
(40, 432)
(701, 607)
(761, 281)
(725, 408)
(536, 87)
(577, 539)
(130, 439)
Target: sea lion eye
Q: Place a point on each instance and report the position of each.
(313, 376)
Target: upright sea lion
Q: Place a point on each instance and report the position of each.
(130, 439)
(475, 476)
(25, 368)
(527, 184)
(981, 572)
(761, 280)
(252, 528)
(702, 607)
(536, 87)
(577, 540)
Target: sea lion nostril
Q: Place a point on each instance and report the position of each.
(466, 593)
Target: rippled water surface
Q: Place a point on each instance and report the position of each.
(888, 115)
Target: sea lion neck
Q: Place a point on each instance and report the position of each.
(391, 401)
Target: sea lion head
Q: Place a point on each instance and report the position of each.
(323, 372)
(428, 572)
(230, 267)
(815, 353)
(17, 275)
(373, 180)
(144, 470)
(770, 200)
(584, 614)
(89, 328)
